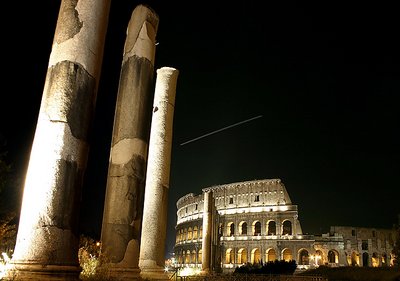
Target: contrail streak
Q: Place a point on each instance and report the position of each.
(222, 129)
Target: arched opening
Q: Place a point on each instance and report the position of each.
(255, 256)
(242, 256)
(195, 234)
(271, 228)
(256, 228)
(348, 258)
(384, 259)
(229, 256)
(365, 258)
(303, 257)
(185, 234)
(200, 256)
(201, 232)
(243, 228)
(193, 259)
(230, 229)
(270, 255)
(319, 257)
(355, 259)
(375, 260)
(190, 233)
(287, 255)
(333, 256)
(187, 257)
(391, 259)
(287, 228)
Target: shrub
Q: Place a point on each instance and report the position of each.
(271, 267)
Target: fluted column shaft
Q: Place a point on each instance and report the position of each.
(48, 232)
(207, 231)
(122, 218)
(151, 261)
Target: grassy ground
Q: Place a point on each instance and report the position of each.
(356, 273)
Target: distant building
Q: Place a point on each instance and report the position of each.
(255, 221)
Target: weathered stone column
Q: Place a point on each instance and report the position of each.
(48, 233)
(207, 231)
(152, 246)
(122, 218)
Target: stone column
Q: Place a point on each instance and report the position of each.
(122, 218)
(207, 232)
(48, 232)
(152, 246)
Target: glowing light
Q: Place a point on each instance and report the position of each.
(5, 265)
(189, 271)
(315, 259)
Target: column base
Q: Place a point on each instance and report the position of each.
(39, 272)
(154, 273)
(119, 273)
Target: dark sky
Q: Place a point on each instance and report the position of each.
(324, 76)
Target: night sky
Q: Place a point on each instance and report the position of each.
(324, 76)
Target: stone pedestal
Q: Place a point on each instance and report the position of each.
(48, 231)
(122, 218)
(152, 246)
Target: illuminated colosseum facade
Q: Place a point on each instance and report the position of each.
(255, 221)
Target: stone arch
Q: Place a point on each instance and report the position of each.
(333, 256)
(256, 228)
(243, 228)
(287, 254)
(286, 227)
(230, 229)
(271, 227)
(242, 256)
(255, 256)
(303, 257)
(229, 256)
(270, 255)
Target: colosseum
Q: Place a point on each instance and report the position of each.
(255, 221)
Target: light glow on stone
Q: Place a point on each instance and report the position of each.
(53, 142)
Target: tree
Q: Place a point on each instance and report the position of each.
(8, 216)
(5, 170)
(8, 232)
